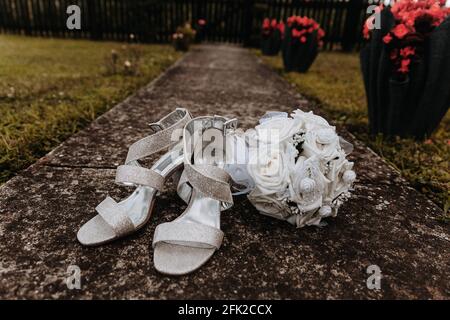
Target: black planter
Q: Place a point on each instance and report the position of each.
(271, 44)
(413, 106)
(181, 44)
(298, 56)
(200, 34)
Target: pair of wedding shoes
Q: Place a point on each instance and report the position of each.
(198, 147)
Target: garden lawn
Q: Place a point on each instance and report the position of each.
(335, 83)
(50, 88)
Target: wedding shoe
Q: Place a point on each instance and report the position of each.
(185, 244)
(115, 220)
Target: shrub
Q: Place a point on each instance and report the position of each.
(183, 37)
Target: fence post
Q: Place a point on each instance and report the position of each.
(248, 22)
(94, 20)
(352, 24)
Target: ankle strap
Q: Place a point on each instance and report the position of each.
(166, 132)
(164, 135)
(209, 179)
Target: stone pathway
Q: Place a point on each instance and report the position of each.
(386, 223)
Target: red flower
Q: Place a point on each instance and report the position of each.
(304, 26)
(291, 20)
(296, 33)
(414, 22)
(404, 68)
(281, 28)
(407, 51)
(400, 31)
(366, 33)
(320, 33)
(274, 23)
(201, 22)
(387, 38)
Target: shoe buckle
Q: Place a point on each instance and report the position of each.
(209, 123)
(156, 127)
(230, 126)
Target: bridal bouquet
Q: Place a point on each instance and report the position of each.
(297, 168)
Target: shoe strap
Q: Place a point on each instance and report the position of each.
(189, 234)
(115, 217)
(135, 175)
(166, 132)
(208, 179)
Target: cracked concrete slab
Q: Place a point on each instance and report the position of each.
(385, 223)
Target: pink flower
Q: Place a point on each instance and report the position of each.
(413, 20)
(404, 68)
(296, 33)
(407, 51)
(400, 31)
(291, 20)
(281, 27)
(387, 38)
(273, 23)
(320, 33)
(366, 32)
(304, 26)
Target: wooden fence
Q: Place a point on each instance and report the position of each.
(235, 21)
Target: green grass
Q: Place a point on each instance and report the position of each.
(51, 88)
(335, 82)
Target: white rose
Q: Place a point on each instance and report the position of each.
(236, 164)
(341, 178)
(270, 205)
(322, 143)
(307, 185)
(310, 120)
(277, 127)
(269, 166)
(335, 164)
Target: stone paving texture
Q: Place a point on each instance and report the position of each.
(385, 223)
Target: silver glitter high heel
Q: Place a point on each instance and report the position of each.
(116, 220)
(185, 244)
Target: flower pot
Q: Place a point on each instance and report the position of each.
(200, 34)
(414, 105)
(298, 56)
(181, 44)
(271, 44)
